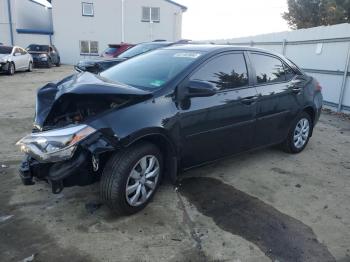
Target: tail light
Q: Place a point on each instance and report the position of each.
(318, 87)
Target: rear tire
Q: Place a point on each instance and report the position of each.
(299, 134)
(11, 69)
(131, 178)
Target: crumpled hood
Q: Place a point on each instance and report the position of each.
(85, 84)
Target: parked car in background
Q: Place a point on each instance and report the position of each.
(14, 58)
(44, 55)
(98, 65)
(171, 109)
(115, 50)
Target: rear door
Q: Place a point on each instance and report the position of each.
(278, 102)
(223, 124)
(25, 57)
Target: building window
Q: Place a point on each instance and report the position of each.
(151, 14)
(87, 9)
(88, 47)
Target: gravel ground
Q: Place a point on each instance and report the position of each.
(261, 206)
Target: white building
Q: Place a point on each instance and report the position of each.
(80, 28)
(23, 22)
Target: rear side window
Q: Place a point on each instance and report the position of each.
(268, 69)
(226, 72)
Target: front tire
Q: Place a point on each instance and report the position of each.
(30, 67)
(299, 134)
(49, 63)
(58, 64)
(131, 178)
(11, 69)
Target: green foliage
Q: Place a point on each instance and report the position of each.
(311, 13)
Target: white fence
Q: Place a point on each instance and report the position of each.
(323, 52)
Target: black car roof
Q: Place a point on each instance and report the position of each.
(207, 48)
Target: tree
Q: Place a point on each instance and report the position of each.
(311, 13)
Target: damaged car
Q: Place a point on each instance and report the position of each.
(162, 112)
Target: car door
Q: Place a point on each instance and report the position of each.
(278, 102)
(25, 57)
(222, 124)
(17, 58)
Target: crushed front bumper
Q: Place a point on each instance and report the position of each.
(84, 168)
(77, 171)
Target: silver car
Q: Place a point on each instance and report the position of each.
(14, 58)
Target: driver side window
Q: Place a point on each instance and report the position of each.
(226, 72)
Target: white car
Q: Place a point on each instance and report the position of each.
(14, 58)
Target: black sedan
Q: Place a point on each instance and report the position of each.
(44, 55)
(98, 65)
(165, 111)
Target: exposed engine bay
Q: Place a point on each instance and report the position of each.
(74, 109)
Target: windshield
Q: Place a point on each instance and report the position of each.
(38, 48)
(5, 50)
(152, 70)
(140, 49)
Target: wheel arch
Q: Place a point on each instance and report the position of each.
(167, 148)
(312, 113)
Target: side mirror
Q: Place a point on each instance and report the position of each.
(17, 54)
(196, 88)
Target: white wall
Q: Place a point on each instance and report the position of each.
(169, 27)
(70, 26)
(333, 55)
(19, 39)
(4, 23)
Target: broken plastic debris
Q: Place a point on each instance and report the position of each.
(4, 218)
(29, 259)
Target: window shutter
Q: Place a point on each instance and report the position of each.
(146, 14)
(155, 11)
(84, 47)
(93, 47)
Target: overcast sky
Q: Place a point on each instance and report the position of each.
(218, 19)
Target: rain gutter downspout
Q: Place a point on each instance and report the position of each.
(122, 24)
(10, 20)
(343, 85)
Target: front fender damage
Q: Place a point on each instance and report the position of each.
(82, 169)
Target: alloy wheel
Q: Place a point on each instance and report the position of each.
(301, 133)
(142, 180)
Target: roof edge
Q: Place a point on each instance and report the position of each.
(184, 8)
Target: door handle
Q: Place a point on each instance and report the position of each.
(249, 100)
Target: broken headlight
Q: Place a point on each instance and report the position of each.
(55, 145)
